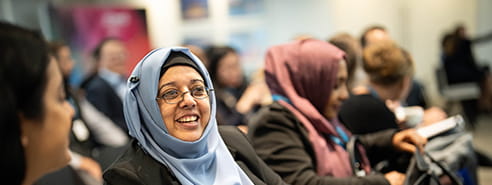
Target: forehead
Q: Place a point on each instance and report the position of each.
(112, 45)
(342, 69)
(180, 73)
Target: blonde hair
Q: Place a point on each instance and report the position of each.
(386, 63)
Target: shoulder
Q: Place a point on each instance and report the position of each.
(236, 141)
(362, 99)
(246, 158)
(275, 126)
(96, 83)
(137, 167)
(275, 114)
(363, 104)
(361, 110)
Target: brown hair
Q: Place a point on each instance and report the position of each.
(386, 63)
(352, 49)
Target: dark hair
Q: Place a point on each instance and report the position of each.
(97, 51)
(363, 38)
(352, 49)
(23, 63)
(214, 55)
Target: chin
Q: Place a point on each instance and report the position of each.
(190, 137)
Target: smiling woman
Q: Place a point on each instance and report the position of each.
(170, 111)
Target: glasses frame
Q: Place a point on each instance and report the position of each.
(207, 90)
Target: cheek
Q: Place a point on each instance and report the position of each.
(329, 111)
(56, 130)
(205, 111)
(167, 114)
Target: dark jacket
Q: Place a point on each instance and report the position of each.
(281, 140)
(104, 98)
(371, 116)
(136, 167)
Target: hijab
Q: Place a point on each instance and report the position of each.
(304, 74)
(204, 161)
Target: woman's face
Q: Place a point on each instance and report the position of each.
(229, 71)
(339, 93)
(46, 141)
(187, 119)
(65, 60)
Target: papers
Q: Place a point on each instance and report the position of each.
(440, 127)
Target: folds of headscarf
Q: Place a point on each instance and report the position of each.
(305, 72)
(205, 161)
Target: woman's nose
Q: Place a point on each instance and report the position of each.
(188, 101)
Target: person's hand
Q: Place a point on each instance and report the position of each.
(408, 140)
(392, 104)
(395, 178)
(433, 115)
(91, 167)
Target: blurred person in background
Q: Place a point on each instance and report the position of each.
(229, 81)
(106, 89)
(353, 56)
(461, 66)
(299, 135)
(390, 69)
(90, 133)
(416, 94)
(35, 116)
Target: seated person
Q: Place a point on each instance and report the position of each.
(170, 111)
(229, 81)
(35, 117)
(390, 70)
(106, 88)
(299, 135)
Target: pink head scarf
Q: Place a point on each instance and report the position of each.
(305, 73)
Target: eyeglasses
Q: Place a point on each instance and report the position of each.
(174, 96)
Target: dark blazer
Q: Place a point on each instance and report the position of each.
(100, 94)
(282, 141)
(135, 167)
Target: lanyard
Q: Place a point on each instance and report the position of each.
(277, 97)
(342, 140)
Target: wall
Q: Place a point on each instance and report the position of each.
(417, 25)
(484, 51)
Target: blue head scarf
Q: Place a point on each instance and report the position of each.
(205, 161)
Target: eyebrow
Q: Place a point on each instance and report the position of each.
(173, 83)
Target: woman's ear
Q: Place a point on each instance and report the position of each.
(26, 129)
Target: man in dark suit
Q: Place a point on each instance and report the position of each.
(106, 89)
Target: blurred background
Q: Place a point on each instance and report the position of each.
(251, 26)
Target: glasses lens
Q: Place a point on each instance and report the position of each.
(171, 96)
(199, 92)
(175, 96)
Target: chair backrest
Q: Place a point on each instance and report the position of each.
(455, 92)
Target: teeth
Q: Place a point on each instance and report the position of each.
(188, 118)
